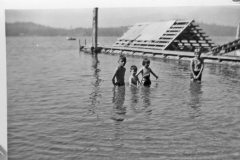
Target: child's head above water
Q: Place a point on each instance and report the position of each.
(122, 60)
(133, 69)
(197, 52)
(145, 61)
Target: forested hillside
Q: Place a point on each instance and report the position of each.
(32, 29)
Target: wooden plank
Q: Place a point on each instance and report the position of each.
(167, 37)
(183, 21)
(196, 41)
(173, 30)
(170, 34)
(147, 47)
(150, 43)
(122, 42)
(194, 44)
(153, 46)
(162, 41)
(177, 26)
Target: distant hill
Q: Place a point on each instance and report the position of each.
(218, 30)
(32, 29)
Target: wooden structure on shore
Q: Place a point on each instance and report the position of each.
(225, 48)
(174, 38)
(181, 35)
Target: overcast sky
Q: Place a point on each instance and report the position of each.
(113, 17)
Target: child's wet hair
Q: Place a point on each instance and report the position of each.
(123, 58)
(145, 60)
(134, 68)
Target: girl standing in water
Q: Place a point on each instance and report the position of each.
(145, 70)
(196, 66)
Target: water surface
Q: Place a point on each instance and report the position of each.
(62, 105)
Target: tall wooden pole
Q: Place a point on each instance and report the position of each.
(238, 31)
(237, 37)
(95, 28)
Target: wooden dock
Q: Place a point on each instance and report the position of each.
(165, 35)
(160, 53)
(226, 48)
(173, 39)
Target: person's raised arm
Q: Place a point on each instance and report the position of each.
(153, 73)
(138, 82)
(139, 71)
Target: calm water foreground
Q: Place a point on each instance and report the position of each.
(62, 105)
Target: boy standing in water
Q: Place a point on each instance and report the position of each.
(145, 70)
(196, 66)
(133, 79)
(120, 72)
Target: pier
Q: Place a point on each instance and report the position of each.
(161, 53)
(173, 39)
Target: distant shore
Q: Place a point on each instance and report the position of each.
(32, 29)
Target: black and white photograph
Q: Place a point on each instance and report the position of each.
(120, 80)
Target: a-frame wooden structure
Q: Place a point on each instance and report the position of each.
(182, 35)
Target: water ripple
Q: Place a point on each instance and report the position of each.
(62, 105)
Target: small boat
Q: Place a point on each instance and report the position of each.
(71, 38)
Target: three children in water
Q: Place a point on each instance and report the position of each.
(119, 73)
(196, 67)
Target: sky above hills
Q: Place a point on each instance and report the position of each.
(113, 17)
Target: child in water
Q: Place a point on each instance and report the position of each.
(145, 70)
(196, 66)
(120, 72)
(133, 79)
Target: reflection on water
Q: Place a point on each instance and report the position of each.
(134, 99)
(145, 96)
(118, 101)
(228, 71)
(196, 98)
(95, 94)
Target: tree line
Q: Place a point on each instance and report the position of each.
(32, 29)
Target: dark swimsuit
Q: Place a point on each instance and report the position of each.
(197, 67)
(120, 84)
(196, 73)
(146, 79)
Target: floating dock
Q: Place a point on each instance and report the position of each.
(174, 38)
(181, 35)
(161, 54)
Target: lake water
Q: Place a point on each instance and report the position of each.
(62, 105)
